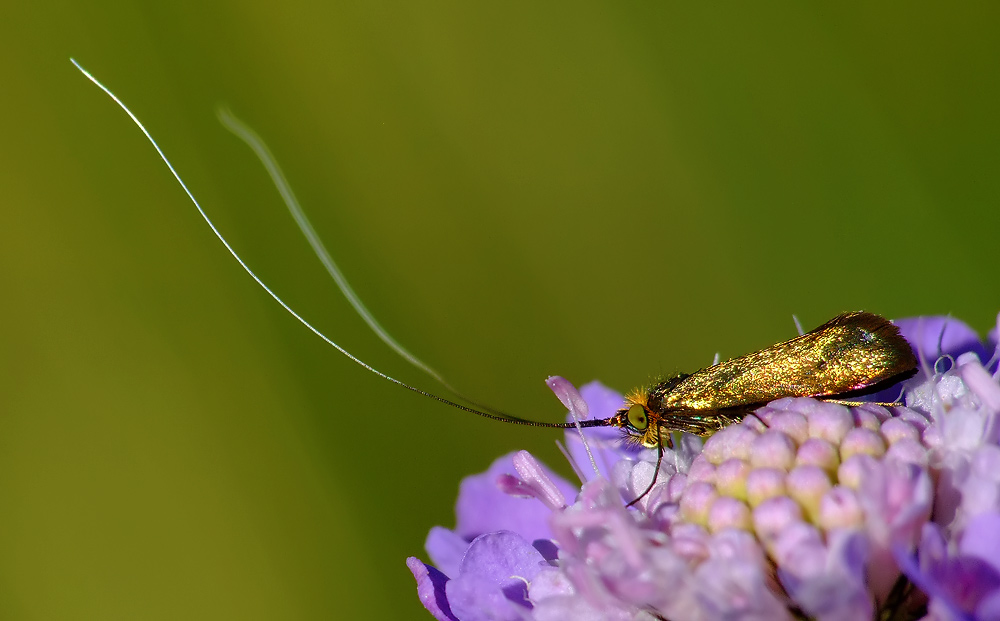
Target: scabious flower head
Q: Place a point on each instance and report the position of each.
(805, 509)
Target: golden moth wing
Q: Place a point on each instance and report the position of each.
(849, 352)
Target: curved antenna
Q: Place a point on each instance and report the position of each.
(253, 140)
(494, 416)
(242, 131)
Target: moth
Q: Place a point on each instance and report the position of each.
(852, 354)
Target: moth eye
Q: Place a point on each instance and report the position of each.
(637, 418)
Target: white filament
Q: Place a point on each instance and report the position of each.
(170, 166)
(250, 137)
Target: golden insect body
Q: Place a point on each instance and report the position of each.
(852, 354)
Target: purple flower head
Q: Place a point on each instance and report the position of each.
(805, 508)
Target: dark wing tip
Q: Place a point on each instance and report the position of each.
(883, 330)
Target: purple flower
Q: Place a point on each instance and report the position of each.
(963, 580)
(804, 508)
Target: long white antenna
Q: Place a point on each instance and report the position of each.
(254, 141)
(211, 225)
(492, 415)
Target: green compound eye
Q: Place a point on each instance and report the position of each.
(637, 418)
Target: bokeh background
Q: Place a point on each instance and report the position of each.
(515, 189)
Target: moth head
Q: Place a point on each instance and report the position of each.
(637, 420)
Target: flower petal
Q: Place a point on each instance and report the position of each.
(936, 336)
(569, 396)
(483, 507)
(536, 478)
(493, 579)
(446, 549)
(431, 589)
(981, 538)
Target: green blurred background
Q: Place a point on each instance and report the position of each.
(515, 189)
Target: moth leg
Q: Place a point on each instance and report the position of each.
(854, 404)
(656, 472)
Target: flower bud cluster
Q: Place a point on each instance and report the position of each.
(805, 508)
